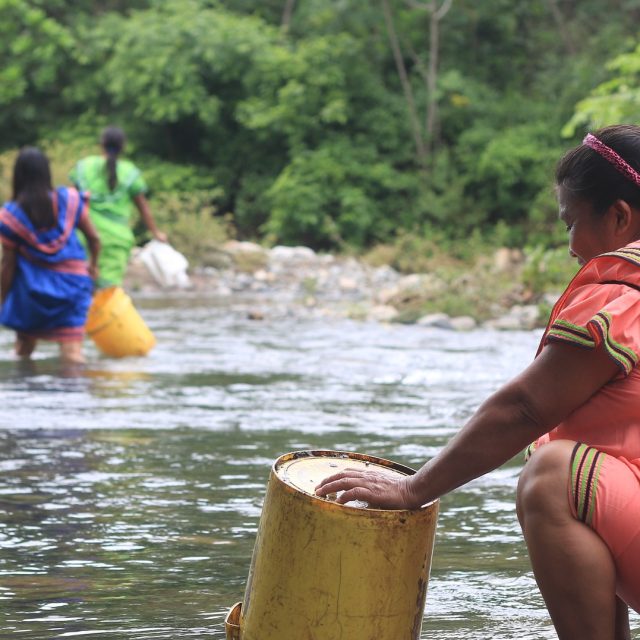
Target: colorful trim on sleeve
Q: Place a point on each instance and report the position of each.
(596, 331)
(568, 332)
(625, 357)
(586, 463)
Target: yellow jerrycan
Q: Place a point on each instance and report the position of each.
(325, 571)
(116, 327)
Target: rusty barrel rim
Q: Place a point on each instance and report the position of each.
(378, 462)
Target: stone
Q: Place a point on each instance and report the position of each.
(347, 284)
(518, 317)
(235, 246)
(282, 253)
(382, 313)
(463, 323)
(440, 320)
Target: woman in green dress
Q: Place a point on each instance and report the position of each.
(117, 188)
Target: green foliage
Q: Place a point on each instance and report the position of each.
(164, 176)
(547, 270)
(476, 294)
(34, 50)
(335, 195)
(432, 250)
(302, 135)
(298, 92)
(183, 202)
(471, 283)
(170, 62)
(510, 171)
(544, 227)
(191, 226)
(613, 102)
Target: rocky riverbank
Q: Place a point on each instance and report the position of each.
(299, 280)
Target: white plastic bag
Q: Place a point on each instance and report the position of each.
(167, 266)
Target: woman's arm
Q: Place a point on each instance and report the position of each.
(93, 240)
(8, 265)
(557, 382)
(145, 213)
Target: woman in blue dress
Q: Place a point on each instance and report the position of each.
(46, 283)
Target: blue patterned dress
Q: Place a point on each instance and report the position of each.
(51, 290)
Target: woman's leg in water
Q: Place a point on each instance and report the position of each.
(25, 345)
(571, 563)
(71, 352)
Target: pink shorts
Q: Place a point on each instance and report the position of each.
(604, 493)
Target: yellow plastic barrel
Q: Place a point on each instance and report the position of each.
(325, 571)
(116, 327)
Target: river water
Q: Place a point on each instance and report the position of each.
(130, 492)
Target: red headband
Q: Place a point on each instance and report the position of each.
(611, 156)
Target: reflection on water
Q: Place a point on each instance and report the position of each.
(130, 490)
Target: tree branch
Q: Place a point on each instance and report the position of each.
(406, 84)
(422, 70)
(562, 26)
(436, 14)
(444, 9)
(432, 76)
(286, 14)
(423, 6)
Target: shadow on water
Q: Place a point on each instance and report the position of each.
(130, 491)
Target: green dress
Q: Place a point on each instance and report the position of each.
(110, 212)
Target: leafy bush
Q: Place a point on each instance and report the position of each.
(301, 133)
(191, 226)
(183, 199)
(614, 101)
(335, 196)
(35, 50)
(511, 171)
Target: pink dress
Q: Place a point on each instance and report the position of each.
(602, 306)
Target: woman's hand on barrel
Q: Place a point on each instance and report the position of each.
(378, 490)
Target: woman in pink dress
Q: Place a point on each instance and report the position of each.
(578, 497)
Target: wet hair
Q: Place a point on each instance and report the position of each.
(32, 186)
(112, 141)
(589, 176)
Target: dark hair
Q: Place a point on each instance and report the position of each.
(112, 141)
(32, 186)
(589, 176)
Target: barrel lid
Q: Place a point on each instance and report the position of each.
(304, 470)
